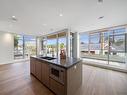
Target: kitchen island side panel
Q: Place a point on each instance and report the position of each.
(74, 78)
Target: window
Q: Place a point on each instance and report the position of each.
(105, 40)
(118, 31)
(108, 45)
(117, 44)
(62, 45)
(24, 46)
(95, 40)
(84, 44)
(44, 47)
(29, 46)
(18, 47)
(52, 46)
(55, 44)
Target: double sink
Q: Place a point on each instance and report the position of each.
(47, 58)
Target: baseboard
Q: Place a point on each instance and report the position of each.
(15, 61)
(106, 67)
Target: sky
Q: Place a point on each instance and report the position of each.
(54, 41)
(27, 39)
(84, 38)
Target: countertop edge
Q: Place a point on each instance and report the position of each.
(66, 67)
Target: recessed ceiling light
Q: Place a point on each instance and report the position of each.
(14, 18)
(60, 14)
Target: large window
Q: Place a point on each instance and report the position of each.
(29, 46)
(52, 47)
(108, 45)
(55, 44)
(62, 45)
(18, 47)
(95, 43)
(117, 46)
(44, 46)
(24, 46)
(84, 44)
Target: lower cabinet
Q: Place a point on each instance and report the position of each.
(32, 66)
(45, 74)
(56, 87)
(41, 70)
(38, 70)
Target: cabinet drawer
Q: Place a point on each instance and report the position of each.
(56, 87)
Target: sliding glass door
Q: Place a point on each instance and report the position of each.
(94, 46)
(84, 45)
(24, 46)
(29, 46)
(52, 46)
(56, 45)
(117, 47)
(105, 47)
(18, 47)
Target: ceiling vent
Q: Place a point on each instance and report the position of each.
(14, 19)
(100, 1)
(101, 17)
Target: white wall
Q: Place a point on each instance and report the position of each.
(6, 47)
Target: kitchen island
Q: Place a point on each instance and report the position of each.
(62, 76)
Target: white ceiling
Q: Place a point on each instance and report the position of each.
(79, 15)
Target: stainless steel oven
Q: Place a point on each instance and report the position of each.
(57, 73)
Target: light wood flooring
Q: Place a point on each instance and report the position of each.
(15, 79)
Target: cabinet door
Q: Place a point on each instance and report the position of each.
(32, 66)
(42, 72)
(45, 74)
(38, 70)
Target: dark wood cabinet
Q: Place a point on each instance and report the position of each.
(60, 80)
(45, 74)
(32, 66)
(38, 69)
(57, 87)
(41, 70)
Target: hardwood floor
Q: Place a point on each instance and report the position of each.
(16, 80)
(97, 81)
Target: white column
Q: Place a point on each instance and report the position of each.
(126, 48)
(58, 55)
(76, 53)
(126, 59)
(68, 43)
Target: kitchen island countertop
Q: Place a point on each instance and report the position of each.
(65, 63)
